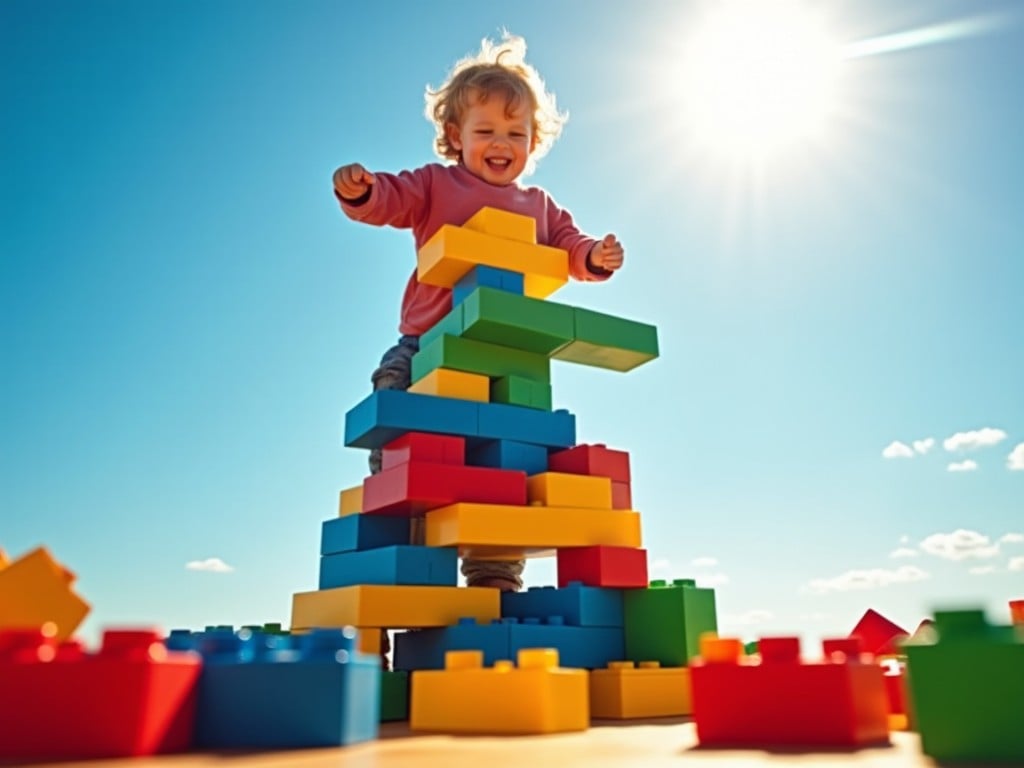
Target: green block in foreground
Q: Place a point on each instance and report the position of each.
(966, 683)
(514, 390)
(664, 622)
(394, 695)
(480, 357)
(605, 341)
(450, 324)
(520, 322)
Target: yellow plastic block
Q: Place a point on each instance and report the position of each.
(560, 489)
(386, 605)
(4, 560)
(511, 226)
(625, 692)
(464, 697)
(368, 640)
(36, 589)
(350, 501)
(453, 251)
(461, 385)
(501, 530)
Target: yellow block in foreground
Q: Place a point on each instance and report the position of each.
(386, 605)
(464, 697)
(461, 385)
(36, 589)
(511, 226)
(561, 489)
(454, 251)
(625, 692)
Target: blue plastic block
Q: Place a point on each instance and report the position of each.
(404, 564)
(425, 648)
(489, 277)
(509, 454)
(352, 533)
(319, 692)
(389, 413)
(554, 429)
(577, 604)
(583, 647)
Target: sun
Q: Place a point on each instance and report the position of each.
(759, 77)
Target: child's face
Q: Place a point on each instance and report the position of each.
(495, 145)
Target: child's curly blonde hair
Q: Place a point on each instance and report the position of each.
(497, 69)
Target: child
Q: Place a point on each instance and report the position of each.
(493, 119)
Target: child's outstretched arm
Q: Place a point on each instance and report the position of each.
(352, 181)
(607, 254)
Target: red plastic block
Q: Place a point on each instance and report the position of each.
(592, 460)
(415, 487)
(894, 670)
(423, 447)
(131, 698)
(778, 699)
(878, 635)
(603, 566)
(1017, 611)
(622, 495)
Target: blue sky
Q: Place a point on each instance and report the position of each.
(186, 315)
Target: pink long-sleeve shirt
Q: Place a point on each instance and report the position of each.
(426, 198)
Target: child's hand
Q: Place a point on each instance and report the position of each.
(608, 254)
(352, 181)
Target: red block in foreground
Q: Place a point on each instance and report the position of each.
(130, 698)
(877, 634)
(603, 566)
(415, 487)
(779, 700)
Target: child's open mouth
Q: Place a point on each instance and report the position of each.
(498, 163)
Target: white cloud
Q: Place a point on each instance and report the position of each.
(981, 570)
(897, 450)
(211, 564)
(967, 465)
(662, 565)
(1016, 564)
(976, 438)
(960, 545)
(865, 579)
(903, 552)
(748, 618)
(711, 580)
(904, 539)
(1012, 538)
(1015, 461)
(923, 446)
(704, 562)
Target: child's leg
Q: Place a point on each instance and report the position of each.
(394, 372)
(506, 575)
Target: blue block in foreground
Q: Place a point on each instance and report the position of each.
(578, 605)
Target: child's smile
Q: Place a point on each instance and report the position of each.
(495, 144)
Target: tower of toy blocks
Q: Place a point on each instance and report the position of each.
(475, 448)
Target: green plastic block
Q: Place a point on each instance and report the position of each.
(394, 695)
(515, 390)
(479, 357)
(520, 322)
(665, 621)
(966, 682)
(605, 341)
(450, 324)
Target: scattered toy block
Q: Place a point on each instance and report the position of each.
(445, 382)
(603, 566)
(36, 590)
(554, 429)
(480, 357)
(577, 604)
(625, 691)
(966, 693)
(350, 501)
(360, 532)
(597, 459)
(388, 414)
(129, 698)
(509, 454)
(465, 697)
(379, 605)
(489, 277)
(605, 341)
(664, 623)
(515, 390)
(403, 564)
(423, 447)
(453, 251)
(780, 700)
(878, 635)
(504, 224)
(413, 488)
(1017, 611)
(520, 322)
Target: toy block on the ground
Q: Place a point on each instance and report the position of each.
(606, 341)
(445, 382)
(132, 697)
(379, 605)
(480, 357)
(561, 489)
(878, 635)
(415, 487)
(894, 672)
(353, 533)
(403, 564)
(388, 414)
(423, 447)
(1017, 611)
(453, 251)
(781, 700)
(515, 390)
(578, 605)
(36, 590)
(279, 692)
(487, 277)
(625, 691)
(664, 622)
(394, 696)
(966, 682)
(603, 566)
(597, 459)
(509, 454)
(350, 501)
(482, 530)
(535, 697)
(504, 224)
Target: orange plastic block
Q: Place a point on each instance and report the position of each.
(368, 640)
(412, 488)
(1017, 611)
(778, 700)
(34, 590)
(515, 531)
(4, 560)
(386, 605)
(877, 634)
(624, 691)
(453, 251)
(538, 696)
(461, 385)
(350, 501)
(511, 226)
(561, 489)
